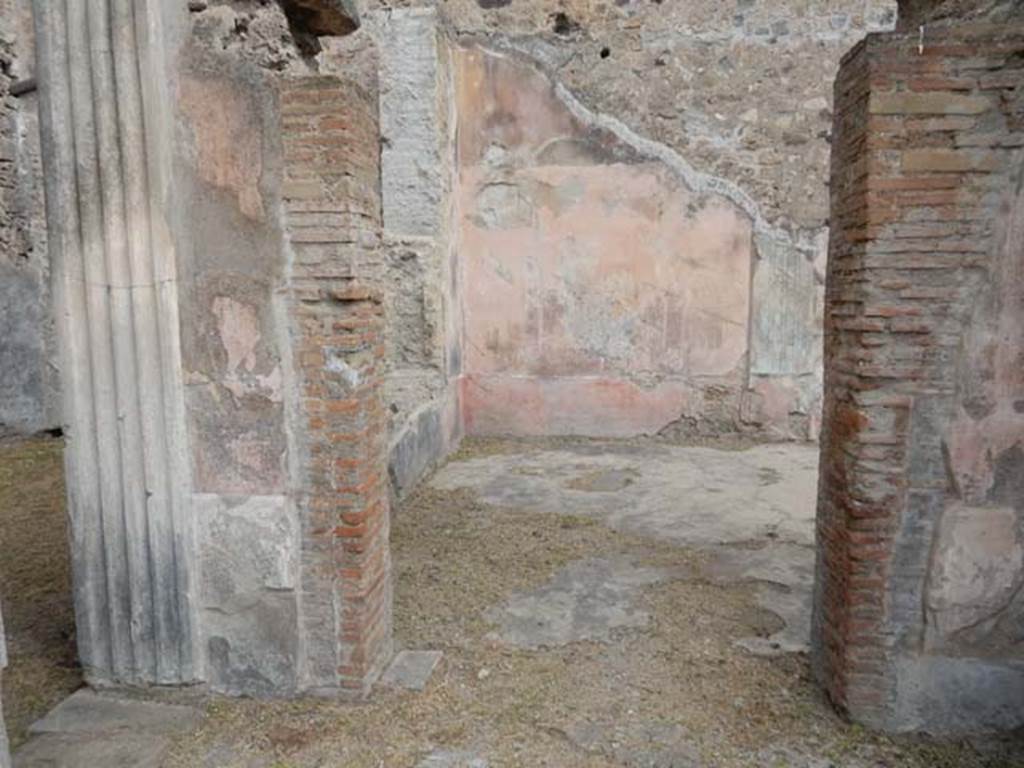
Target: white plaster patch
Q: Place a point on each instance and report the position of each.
(337, 365)
(238, 326)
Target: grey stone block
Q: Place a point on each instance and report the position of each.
(58, 750)
(411, 160)
(92, 729)
(416, 451)
(452, 759)
(22, 350)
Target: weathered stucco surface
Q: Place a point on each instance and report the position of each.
(612, 288)
(732, 96)
(5, 754)
(974, 599)
(231, 353)
(598, 279)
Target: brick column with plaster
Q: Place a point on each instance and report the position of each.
(332, 217)
(919, 519)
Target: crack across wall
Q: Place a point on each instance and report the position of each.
(697, 181)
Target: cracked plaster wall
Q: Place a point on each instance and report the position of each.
(723, 106)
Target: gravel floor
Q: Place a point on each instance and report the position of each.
(673, 691)
(643, 658)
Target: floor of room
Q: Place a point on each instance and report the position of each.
(597, 603)
(35, 582)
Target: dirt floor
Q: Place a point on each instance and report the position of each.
(651, 669)
(675, 693)
(35, 586)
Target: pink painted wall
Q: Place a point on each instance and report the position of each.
(602, 296)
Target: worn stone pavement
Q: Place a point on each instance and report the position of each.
(703, 497)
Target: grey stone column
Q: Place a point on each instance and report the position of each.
(115, 302)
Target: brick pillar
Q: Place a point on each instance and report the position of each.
(926, 141)
(332, 215)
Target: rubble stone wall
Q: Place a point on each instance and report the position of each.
(29, 376)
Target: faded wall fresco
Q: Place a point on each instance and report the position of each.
(231, 356)
(974, 601)
(604, 296)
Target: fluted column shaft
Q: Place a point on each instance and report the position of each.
(115, 303)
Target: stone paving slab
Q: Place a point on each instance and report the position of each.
(691, 496)
(89, 750)
(586, 600)
(411, 669)
(86, 711)
(452, 759)
(92, 729)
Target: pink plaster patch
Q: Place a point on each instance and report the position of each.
(586, 268)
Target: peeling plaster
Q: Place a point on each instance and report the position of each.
(697, 181)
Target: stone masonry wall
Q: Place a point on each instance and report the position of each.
(283, 349)
(421, 286)
(752, 127)
(332, 214)
(917, 620)
(214, 217)
(236, 347)
(29, 390)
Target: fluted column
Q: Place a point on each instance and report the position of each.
(114, 292)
